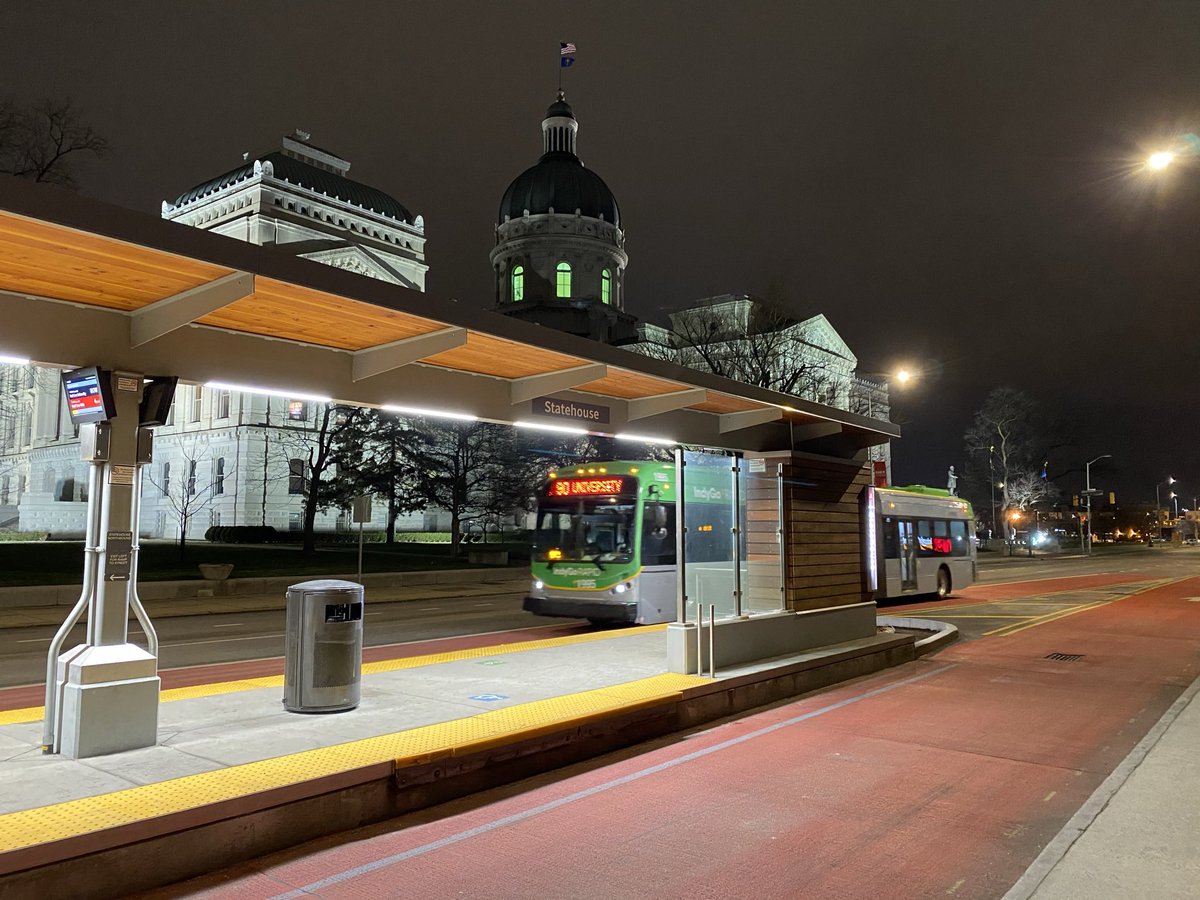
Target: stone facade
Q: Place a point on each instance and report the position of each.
(223, 457)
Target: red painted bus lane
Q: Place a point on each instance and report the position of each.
(944, 777)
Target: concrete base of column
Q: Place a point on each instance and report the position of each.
(109, 701)
(740, 641)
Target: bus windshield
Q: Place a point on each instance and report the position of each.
(591, 529)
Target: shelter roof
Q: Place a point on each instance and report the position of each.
(85, 283)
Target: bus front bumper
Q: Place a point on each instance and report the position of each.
(573, 608)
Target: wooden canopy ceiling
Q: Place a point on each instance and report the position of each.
(169, 282)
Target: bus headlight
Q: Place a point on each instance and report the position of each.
(538, 585)
(620, 588)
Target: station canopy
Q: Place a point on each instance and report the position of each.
(86, 283)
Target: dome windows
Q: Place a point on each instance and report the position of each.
(606, 287)
(518, 284)
(563, 281)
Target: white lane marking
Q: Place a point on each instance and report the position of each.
(35, 641)
(483, 604)
(251, 637)
(230, 625)
(365, 868)
(429, 609)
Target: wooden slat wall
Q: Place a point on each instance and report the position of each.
(822, 530)
(762, 539)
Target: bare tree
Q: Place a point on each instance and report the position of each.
(317, 450)
(194, 488)
(754, 341)
(41, 141)
(1004, 437)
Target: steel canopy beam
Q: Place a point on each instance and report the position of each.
(642, 407)
(386, 357)
(165, 316)
(551, 382)
(736, 421)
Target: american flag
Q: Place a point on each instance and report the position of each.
(568, 49)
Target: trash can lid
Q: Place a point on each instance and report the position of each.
(325, 584)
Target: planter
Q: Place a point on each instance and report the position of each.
(215, 571)
(487, 557)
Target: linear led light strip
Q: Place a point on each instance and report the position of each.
(623, 436)
(13, 360)
(645, 438)
(273, 392)
(435, 413)
(561, 429)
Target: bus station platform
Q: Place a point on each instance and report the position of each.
(235, 775)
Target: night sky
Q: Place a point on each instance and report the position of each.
(954, 184)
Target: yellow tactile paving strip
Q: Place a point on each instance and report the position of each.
(36, 713)
(87, 816)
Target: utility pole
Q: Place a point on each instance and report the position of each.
(1088, 476)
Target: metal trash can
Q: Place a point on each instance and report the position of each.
(322, 666)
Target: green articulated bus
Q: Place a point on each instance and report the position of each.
(604, 545)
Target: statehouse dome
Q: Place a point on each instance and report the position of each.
(559, 181)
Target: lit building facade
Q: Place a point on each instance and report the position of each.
(223, 457)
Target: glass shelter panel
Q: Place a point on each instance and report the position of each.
(760, 551)
(710, 566)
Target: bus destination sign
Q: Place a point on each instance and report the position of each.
(585, 487)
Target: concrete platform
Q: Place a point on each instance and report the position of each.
(234, 775)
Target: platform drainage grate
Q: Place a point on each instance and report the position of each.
(1065, 657)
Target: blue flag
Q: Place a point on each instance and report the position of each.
(566, 54)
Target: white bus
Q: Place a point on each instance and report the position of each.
(924, 542)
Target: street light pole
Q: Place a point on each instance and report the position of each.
(992, 481)
(1158, 507)
(1088, 476)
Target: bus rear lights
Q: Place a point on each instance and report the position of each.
(432, 413)
(270, 392)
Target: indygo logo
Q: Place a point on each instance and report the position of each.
(707, 493)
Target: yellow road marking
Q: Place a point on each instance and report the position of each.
(1048, 796)
(36, 713)
(1047, 617)
(1033, 598)
(1006, 630)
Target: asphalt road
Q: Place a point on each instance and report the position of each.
(942, 777)
(222, 638)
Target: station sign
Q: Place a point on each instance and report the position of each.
(570, 410)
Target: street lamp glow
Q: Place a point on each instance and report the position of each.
(903, 376)
(1160, 160)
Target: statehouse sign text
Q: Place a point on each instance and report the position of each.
(570, 410)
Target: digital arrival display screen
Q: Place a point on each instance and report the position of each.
(89, 397)
(589, 487)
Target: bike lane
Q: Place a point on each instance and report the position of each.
(945, 776)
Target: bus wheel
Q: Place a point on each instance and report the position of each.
(943, 583)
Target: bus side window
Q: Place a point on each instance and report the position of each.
(658, 534)
(958, 538)
(924, 537)
(891, 544)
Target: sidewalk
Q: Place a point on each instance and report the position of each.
(234, 775)
(1138, 835)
